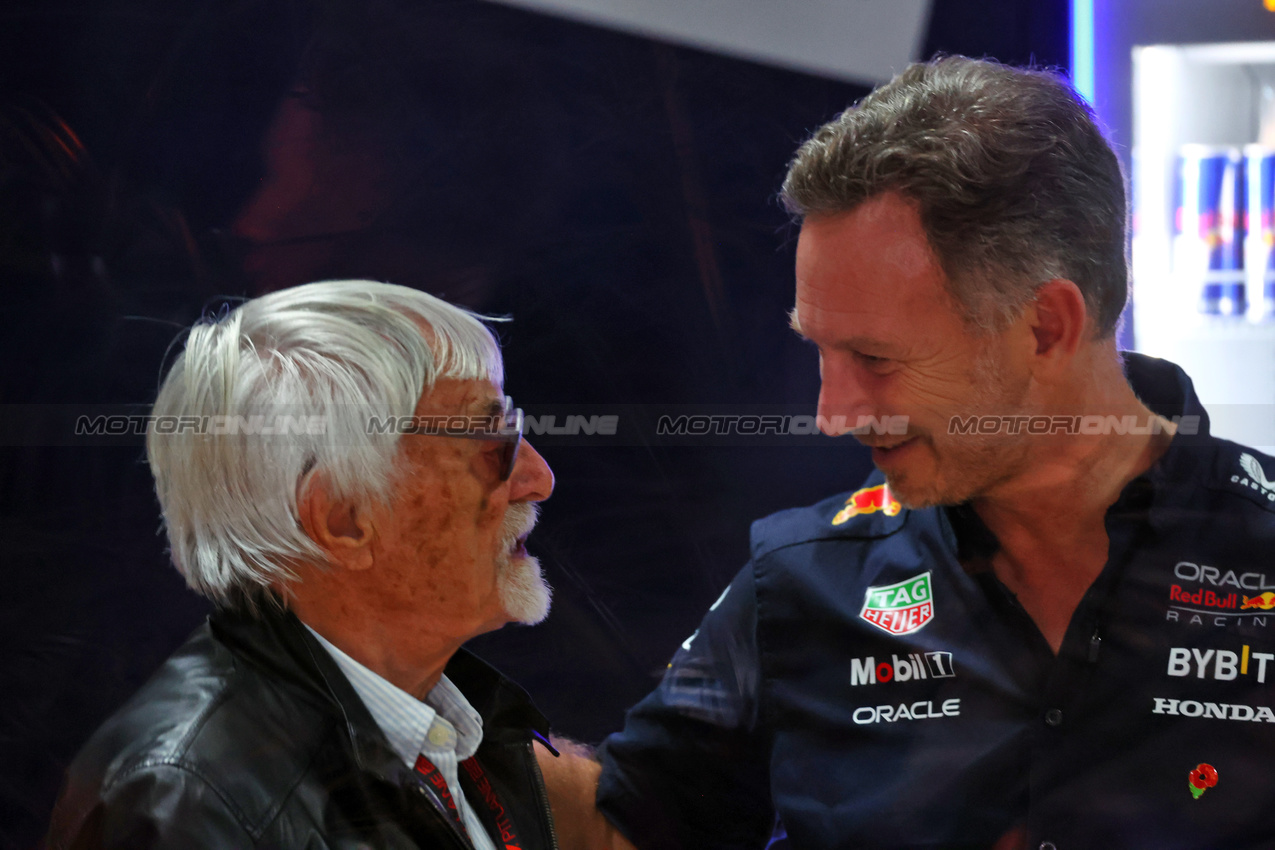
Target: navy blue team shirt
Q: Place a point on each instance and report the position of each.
(869, 680)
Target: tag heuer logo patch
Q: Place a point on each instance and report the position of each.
(902, 608)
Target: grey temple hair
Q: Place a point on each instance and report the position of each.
(1013, 180)
(327, 357)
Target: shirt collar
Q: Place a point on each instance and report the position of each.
(1166, 389)
(444, 721)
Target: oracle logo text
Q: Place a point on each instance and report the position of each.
(920, 710)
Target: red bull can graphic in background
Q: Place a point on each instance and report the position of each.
(1259, 229)
(1209, 225)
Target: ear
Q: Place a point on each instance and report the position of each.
(1058, 320)
(340, 528)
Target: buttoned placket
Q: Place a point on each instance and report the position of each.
(1070, 673)
(443, 748)
(444, 728)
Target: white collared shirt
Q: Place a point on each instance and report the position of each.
(445, 728)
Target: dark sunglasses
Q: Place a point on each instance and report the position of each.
(504, 427)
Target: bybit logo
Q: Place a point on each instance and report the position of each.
(1220, 664)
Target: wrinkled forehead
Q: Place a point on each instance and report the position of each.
(869, 273)
(463, 397)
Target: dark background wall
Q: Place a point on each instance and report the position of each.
(615, 195)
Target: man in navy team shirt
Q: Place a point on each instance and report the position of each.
(1044, 621)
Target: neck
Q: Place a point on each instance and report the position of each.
(1050, 518)
(1071, 482)
(408, 657)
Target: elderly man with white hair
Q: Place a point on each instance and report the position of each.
(327, 702)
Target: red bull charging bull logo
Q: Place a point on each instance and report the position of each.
(866, 501)
(901, 608)
(1265, 602)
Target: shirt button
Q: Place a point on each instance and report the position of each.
(440, 736)
(1054, 718)
(1047, 845)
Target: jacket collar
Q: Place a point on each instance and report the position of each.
(278, 644)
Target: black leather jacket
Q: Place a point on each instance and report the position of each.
(250, 736)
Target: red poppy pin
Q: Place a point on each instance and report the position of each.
(1201, 779)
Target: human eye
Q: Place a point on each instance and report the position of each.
(871, 360)
(490, 453)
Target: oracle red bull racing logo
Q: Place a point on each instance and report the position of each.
(1219, 596)
(868, 500)
(901, 608)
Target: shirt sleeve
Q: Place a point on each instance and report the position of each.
(691, 768)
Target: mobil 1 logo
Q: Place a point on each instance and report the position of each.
(901, 668)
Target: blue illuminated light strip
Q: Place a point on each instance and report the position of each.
(1082, 48)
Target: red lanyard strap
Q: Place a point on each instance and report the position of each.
(501, 824)
(498, 820)
(434, 777)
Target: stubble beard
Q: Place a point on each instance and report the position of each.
(521, 586)
(967, 465)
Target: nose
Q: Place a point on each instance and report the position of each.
(531, 479)
(842, 396)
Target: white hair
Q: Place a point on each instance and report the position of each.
(321, 360)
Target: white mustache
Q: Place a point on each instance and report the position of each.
(520, 519)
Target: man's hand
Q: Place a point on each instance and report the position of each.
(571, 780)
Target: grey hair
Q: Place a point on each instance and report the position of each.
(1013, 180)
(327, 357)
